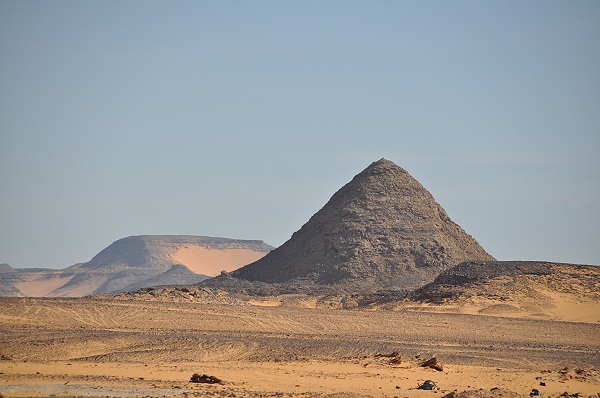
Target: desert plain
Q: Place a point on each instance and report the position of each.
(113, 347)
(377, 283)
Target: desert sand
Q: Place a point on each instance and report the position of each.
(211, 262)
(108, 347)
(555, 306)
(41, 285)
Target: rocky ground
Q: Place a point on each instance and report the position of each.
(502, 279)
(533, 289)
(519, 289)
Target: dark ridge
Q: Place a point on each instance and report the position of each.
(504, 279)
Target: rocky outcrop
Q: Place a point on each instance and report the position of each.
(8, 278)
(178, 274)
(382, 230)
(5, 268)
(508, 281)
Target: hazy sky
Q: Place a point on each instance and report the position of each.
(240, 119)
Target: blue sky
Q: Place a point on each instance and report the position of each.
(240, 119)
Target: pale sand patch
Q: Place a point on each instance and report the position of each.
(557, 306)
(93, 282)
(38, 288)
(265, 303)
(211, 262)
(568, 307)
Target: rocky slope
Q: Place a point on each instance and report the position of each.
(4, 268)
(382, 230)
(501, 279)
(516, 289)
(8, 277)
(525, 288)
(136, 262)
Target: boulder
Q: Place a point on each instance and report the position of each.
(433, 363)
(427, 385)
(204, 378)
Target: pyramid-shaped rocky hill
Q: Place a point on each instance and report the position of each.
(382, 230)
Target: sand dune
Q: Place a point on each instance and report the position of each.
(211, 262)
(559, 307)
(555, 306)
(39, 285)
(569, 308)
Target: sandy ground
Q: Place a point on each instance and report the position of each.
(211, 262)
(38, 285)
(554, 306)
(112, 348)
(549, 305)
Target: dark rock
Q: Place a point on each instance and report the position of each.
(390, 355)
(427, 385)
(433, 363)
(395, 358)
(198, 378)
(534, 393)
(396, 361)
(482, 393)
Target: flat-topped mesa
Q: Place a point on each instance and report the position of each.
(382, 230)
(161, 251)
(136, 262)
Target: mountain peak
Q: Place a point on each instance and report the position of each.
(4, 267)
(383, 162)
(381, 230)
(381, 166)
